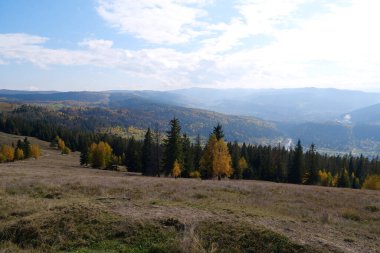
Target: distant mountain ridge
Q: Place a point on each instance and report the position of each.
(335, 120)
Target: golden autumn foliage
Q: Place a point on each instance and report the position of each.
(216, 160)
(60, 143)
(8, 152)
(19, 154)
(35, 151)
(100, 155)
(372, 182)
(325, 178)
(176, 171)
(66, 151)
(195, 174)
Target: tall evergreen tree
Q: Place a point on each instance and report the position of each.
(188, 156)
(197, 153)
(312, 163)
(157, 151)
(84, 156)
(133, 156)
(218, 131)
(234, 150)
(297, 165)
(172, 146)
(147, 154)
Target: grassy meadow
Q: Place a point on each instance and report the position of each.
(54, 205)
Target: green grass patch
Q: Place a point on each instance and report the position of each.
(230, 237)
(351, 215)
(86, 228)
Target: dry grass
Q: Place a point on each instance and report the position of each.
(324, 219)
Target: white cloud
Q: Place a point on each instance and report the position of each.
(336, 48)
(96, 44)
(165, 21)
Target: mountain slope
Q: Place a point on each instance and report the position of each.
(367, 115)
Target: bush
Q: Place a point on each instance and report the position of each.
(35, 151)
(8, 152)
(66, 151)
(195, 174)
(372, 182)
(19, 154)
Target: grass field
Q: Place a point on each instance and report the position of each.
(52, 204)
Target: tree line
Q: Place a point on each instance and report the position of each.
(156, 157)
(22, 150)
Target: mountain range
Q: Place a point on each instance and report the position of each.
(335, 120)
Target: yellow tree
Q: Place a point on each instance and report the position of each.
(242, 166)
(100, 154)
(221, 165)
(176, 171)
(61, 143)
(8, 152)
(206, 162)
(216, 160)
(35, 151)
(19, 154)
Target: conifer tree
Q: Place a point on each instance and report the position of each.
(147, 154)
(218, 131)
(312, 163)
(234, 150)
(172, 146)
(157, 151)
(133, 155)
(26, 147)
(343, 179)
(188, 156)
(197, 153)
(84, 156)
(297, 165)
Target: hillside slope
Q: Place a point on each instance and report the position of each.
(54, 204)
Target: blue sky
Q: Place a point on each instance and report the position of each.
(170, 44)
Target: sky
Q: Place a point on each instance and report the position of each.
(173, 44)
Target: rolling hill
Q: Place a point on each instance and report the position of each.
(334, 120)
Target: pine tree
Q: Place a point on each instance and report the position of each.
(343, 179)
(84, 157)
(188, 157)
(218, 131)
(234, 150)
(157, 151)
(312, 163)
(147, 154)
(26, 147)
(197, 153)
(133, 156)
(172, 146)
(297, 165)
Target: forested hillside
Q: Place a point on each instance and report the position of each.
(334, 120)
